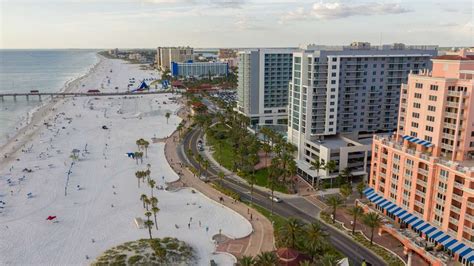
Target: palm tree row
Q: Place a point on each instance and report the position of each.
(150, 204)
(143, 144)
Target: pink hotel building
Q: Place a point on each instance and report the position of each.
(423, 176)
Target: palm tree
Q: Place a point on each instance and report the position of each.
(167, 115)
(221, 176)
(154, 201)
(205, 164)
(143, 197)
(246, 261)
(330, 167)
(152, 184)
(346, 174)
(140, 156)
(139, 143)
(139, 175)
(145, 145)
(148, 222)
(155, 210)
(334, 201)
(136, 154)
(147, 203)
(266, 259)
(316, 165)
(267, 149)
(328, 260)
(373, 221)
(360, 189)
(315, 240)
(355, 211)
(345, 190)
(290, 232)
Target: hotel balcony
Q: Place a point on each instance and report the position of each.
(470, 205)
(423, 171)
(448, 136)
(457, 197)
(421, 183)
(450, 115)
(468, 230)
(452, 104)
(458, 185)
(456, 210)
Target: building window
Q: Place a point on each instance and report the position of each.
(429, 128)
(416, 105)
(414, 124)
(434, 87)
(430, 118)
(415, 115)
(432, 98)
(419, 85)
(418, 95)
(431, 108)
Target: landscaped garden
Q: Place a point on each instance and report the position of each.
(166, 251)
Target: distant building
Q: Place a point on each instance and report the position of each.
(114, 52)
(166, 55)
(138, 57)
(227, 53)
(340, 96)
(199, 69)
(262, 91)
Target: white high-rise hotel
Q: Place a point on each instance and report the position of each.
(263, 84)
(340, 96)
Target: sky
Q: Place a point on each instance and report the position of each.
(232, 23)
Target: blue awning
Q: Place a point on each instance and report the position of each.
(429, 230)
(392, 208)
(442, 238)
(458, 247)
(450, 244)
(418, 227)
(387, 203)
(465, 252)
(368, 190)
(380, 200)
(418, 141)
(400, 214)
(419, 224)
(435, 234)
(412, 220)
(423, 227)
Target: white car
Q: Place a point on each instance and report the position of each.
(275, 199)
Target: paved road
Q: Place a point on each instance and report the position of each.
(287, 208)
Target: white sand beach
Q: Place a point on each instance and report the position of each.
(96, 205)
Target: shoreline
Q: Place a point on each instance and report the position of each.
(37, 115)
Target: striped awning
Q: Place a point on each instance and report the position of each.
(418, 141)
(417, 223)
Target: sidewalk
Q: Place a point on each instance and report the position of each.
(260, 240)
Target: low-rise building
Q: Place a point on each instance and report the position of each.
(199, 70)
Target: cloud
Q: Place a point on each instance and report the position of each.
(337, 10)
(245, 23)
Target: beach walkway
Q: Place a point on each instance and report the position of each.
(260, 240)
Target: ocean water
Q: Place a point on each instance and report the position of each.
(43, 70)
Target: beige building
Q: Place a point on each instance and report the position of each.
(166, 55)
